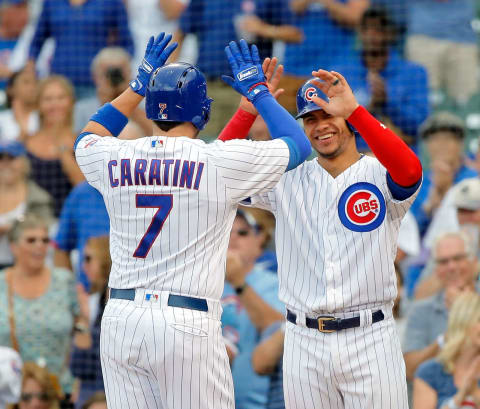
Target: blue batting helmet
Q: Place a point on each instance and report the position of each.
(178, 93)
(305, 103)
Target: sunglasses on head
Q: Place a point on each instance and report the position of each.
(27, 397)
(32, 240)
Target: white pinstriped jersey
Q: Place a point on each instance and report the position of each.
(336, 238)
(172, 202)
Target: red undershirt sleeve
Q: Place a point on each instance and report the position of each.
(238, 127)
(400, 161)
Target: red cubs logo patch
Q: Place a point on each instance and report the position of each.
(310, 93)
(361, 207)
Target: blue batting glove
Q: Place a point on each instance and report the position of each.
(248, 77)
(156, 55)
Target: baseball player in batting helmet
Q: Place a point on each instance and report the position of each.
(170, 93)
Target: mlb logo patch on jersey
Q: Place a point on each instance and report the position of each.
(362, 207)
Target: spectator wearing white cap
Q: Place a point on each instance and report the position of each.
(10, 376)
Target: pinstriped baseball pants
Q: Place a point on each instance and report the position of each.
(163, 358)
(357, 368)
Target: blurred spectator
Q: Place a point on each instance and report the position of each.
(211, 21)
(10, 376)
(40, 389)
(328, 29)
(81, 29)
(255, 293)
(267, 360)
(394, 90)
(19, 195)
(13, 18)
(264, 223)
(408, 243)
(20, 120)
(50, 150)
(456, 270)
(38, 305)
(262, 22)
(148, 17)
(441, 38)
(459, 210)
(444, 135)
(97, 401)
(85, 362)
(83, 216)
(451, 379)
(111, 73)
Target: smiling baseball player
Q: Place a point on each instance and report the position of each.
(338, 217)
(172, 201)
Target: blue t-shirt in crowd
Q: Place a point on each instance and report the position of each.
(6, 48)
(251, 389)
(83, 216)
(80, 32)
(212, 22)
(444, 20)
(406, 90)
(423, 219)
(325, 42)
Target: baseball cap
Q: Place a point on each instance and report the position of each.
(442, 121)
(12, 148)
(467, 194)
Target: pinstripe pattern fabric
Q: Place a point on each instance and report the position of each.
(359, 368)
(325, 267)
(168, 358)
(171, 203)
(336, 241)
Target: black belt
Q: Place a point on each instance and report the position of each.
(332, 324)
(174, 300)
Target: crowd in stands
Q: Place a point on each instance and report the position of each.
(61, 60)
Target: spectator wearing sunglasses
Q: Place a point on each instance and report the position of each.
(40, 389)
(85, 361)
(19, 194)
(38, 305)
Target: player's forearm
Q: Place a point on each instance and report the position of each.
(267, 355)
(238, 127)
(415, 358)
(260, 312)
(125, 104)
(401, 162)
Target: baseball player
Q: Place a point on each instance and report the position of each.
(171, 200)
(338, 217)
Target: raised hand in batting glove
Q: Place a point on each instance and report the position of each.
(156, 55)
(248, 77)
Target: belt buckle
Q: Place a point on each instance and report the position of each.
(321, 324)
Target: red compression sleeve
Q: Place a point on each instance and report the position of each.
(238, 127)
(401, 162)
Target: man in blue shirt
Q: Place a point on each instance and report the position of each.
(392, 89)
(80, 29)
(255, 293)
(83, 216)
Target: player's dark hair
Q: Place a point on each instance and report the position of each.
(167, 125)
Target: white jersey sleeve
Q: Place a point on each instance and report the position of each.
(249, 167)
(91, 152)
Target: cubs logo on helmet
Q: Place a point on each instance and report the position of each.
(362, 207)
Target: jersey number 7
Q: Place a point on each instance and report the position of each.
(164, 204)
